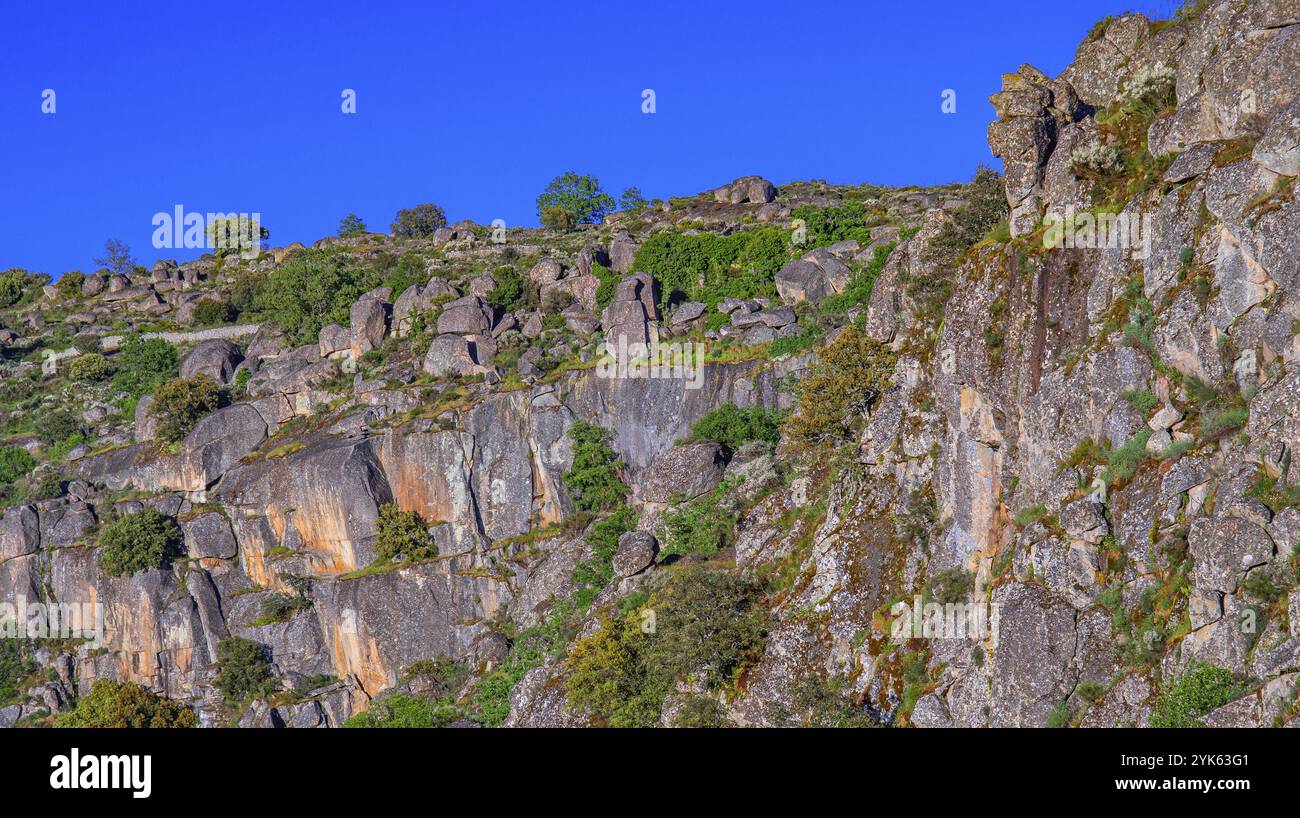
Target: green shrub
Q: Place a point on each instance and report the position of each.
(592, 575)
(703, 526)
(313, 289)
(827, 225)
(593, 482)
(420, 221)
(16, 664)
(707, 625)
(701, 712)
(244, 671)
(181, 403)
(90, 367)
(1059, 716)
(125, 704)
(557, 218)
(849, 376)
(1201, 689)
(402, 535)
(142, 364)
(44, 484)
(211, 312)
(511, 290)
(15, 462)
(137, 542)
(1091, 691)
(69, 284)
(55, 426)
(579, 196)
(13, 286)
(733, 426)
(277, 607)
(709, 268)
(404, 711)
(632, 200)
(951, 585)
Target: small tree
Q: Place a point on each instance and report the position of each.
(56, 426)
(117, 257)
(632, 200)
(402, 534)
(137, 542)
(593, 482)
(69, 284)
(142, 364)
(580, 196)
(557, 218)
(351, 226)
(180, 403)
(212, 311)
(244, 670)
(420, 221)
(849, 376)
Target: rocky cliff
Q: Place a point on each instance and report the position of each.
(1084, 430)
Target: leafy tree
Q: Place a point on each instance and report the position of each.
(180, 403)
(557, 218)
(138, 542)
(13, 286)
(579, 196)
(15, 462)
(632, 200)
(244, 670)
(594, 482)
(733, 426)
(90, 367)
(234, 234)
(849, 376)
(419, 221)
(125, 704)
(144, 363)
(402, 534)
(117, 257)
(351, 226)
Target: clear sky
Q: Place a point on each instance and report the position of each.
(236, 107)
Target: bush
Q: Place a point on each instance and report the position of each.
(591, 576)
(400, 710)
(45, 484)
(420, 221)
(15, 462)
(986, 206)
(212, 312)
(1059, 716)
(703, 526)
(86, 343)
(709, 268)
(13, 285)
(579, 196)
(55, 426)
(180, 403)
(707, 625)
(402, 535)
(138, 542)
(1201, 689)
(69, 284)
(849, 376)
(594, 482)
(90, 367)
(311, 290)
(951, 585)
(125, 704)
(142, 364)
(701, 712)
(244, 670)
(733, 426)
(16, 664)
(557, 218)
(511, 290)
(351, 226)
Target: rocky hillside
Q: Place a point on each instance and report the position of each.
(392, 480)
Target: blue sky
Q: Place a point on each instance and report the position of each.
(235, 107)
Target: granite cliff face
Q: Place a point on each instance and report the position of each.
(1089, 438)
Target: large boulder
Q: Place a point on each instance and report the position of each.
(636, 552)
(470, 315)
(685, 471)
(369, 316)
(215, 359)
(405, 308)
(546, 271)
(219, 440)
(747, 189)
(450, 355)
(335, 341)
(812, 278)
